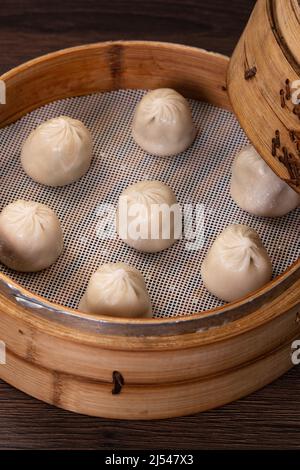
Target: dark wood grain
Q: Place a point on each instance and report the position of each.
(29, 28)
(269, 418)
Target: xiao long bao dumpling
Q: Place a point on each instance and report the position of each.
(58, 152)
(257, 189)
(31, 238)
(163, 123)
(149, 217)
(119, 290)
(236, 264)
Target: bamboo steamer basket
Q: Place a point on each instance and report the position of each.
(264, 66)
(140, 369)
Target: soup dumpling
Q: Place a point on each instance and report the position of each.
(58, 152)
(163, 123)
(236, 264)
(31, 238)
(149, 217)
(119, 290)
(257, 189)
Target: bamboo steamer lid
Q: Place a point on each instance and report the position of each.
(264, 85)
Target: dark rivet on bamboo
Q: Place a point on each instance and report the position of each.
(118, 382)
(250, 73)
(296, 110)
(274, 146)
(287, 162)
(292, 136)
(292, 167)
(224, 88)
(278, 144)
(288, 89)
(282, 98)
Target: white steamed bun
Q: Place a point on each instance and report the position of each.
(58, 152)
(119, 290)
(236, 264)
(257, 189)
(138, 221)
(163, 124)
(31, 238)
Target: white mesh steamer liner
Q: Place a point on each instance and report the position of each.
(201, 175)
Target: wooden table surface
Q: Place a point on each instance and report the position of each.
(269, 418)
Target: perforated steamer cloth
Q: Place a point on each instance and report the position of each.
(199, 176)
